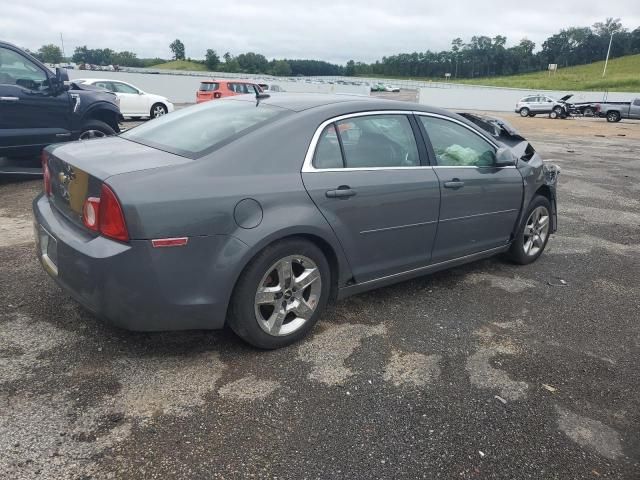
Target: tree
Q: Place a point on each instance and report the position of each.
(281, 68)
(177, 47)
(50, 54)
(608, 27)
(350, 69)
(211, 59)
(251, 62)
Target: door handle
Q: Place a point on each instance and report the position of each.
(9, 99)
(455, 183)
(343, 191)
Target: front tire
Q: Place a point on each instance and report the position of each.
(95, 129)
(281, 294)
(158, 110)
(524, 112)
(533, 234)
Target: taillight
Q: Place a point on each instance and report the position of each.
(46, 173)
(111, 217)
(104, 215)
(217, 95)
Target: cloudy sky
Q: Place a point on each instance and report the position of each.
(332, 30)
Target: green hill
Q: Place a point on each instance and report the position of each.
(181, 65)
(623, 75)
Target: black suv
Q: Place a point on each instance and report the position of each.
(38, 107)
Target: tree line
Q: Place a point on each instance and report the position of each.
(480, 56)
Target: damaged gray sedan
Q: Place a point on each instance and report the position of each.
(256, 212)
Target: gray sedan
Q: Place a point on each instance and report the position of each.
(256, 212)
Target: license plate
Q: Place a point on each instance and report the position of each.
(47, 249)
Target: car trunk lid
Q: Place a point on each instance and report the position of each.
(78, 169)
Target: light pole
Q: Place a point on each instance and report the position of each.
(607, 59)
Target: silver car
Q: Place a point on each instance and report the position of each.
(532, 105)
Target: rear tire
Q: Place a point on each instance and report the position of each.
(524, 112)
(533, 234)
(271, 308)
(588, 112)
(95, 129)
(613, 117)
(553, 114)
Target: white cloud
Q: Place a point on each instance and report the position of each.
(331, 30)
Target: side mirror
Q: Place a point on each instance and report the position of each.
(61, 77)
(504, 157)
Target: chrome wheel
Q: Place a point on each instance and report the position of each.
(90, 134)
(288, 295)
(158, 111)
(536, 231)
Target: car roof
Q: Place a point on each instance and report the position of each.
(231, 80)
(299, 102)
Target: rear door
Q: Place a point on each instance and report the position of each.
(367, 175)
(480, 202)
(31, 114)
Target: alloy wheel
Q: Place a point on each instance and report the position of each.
(536, 231)
(288, 295)
(158, 111)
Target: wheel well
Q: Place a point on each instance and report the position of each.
(319, 242)
(106, 116)
(332, 259)
(545, 191)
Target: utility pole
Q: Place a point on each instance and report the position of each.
(607, 59)
(64, 57)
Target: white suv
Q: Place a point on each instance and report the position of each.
(532, 105)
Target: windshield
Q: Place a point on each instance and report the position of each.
(198, 130)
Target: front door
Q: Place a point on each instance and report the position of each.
(480, 202)
(132, 101)
(367, 179)
(31, 114)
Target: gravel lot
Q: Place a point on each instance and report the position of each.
(485, 371)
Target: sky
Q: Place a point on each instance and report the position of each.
(331, 30)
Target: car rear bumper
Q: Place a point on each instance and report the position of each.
(136, 286)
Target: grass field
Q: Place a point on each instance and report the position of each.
(623, 75)
(181, 65)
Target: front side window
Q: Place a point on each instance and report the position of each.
(198, 130)
(636, 102)
(378, 141)
(124, 88)
(105, 85)
(18, 70)
(456, 145)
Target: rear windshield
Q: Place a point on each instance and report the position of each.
(209, 86)
(198, 130)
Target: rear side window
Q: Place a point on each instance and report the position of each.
(455, 145)
(328, 154)
(636, 102)
(209, 86)
(198, 130)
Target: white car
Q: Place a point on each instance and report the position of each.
(134, 102)
(391, 88)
